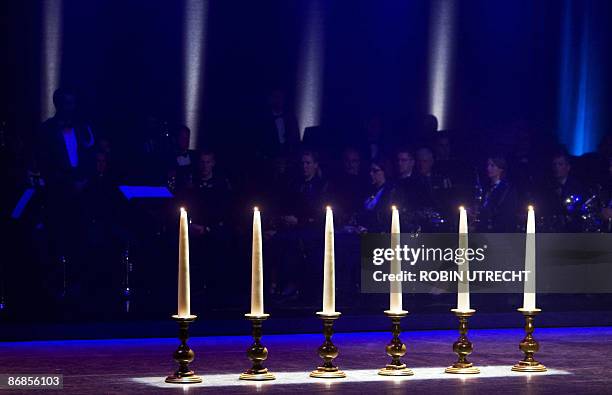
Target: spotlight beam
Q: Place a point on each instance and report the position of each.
(310, 68)
(51, 54)
(441, 58)
(194, 43)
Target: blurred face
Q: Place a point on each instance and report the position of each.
(206, 164)
(405, 163)
(309, 166)
(183, 140)
(425, 162)
(560, 167)
(352, 161)
(377, 175)
(493, 172)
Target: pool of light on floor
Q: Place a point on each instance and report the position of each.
(352, 376)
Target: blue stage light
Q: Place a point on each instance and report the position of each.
(579, 85)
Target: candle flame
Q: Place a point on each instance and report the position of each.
(183, 209)
(393, 208)
(255, 208)
(461, 208)
(328, 207)
(530, 207)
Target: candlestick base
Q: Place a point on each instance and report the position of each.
(328, 351)
(529, 345)
(463, 347)
(184, 355)
(396, 349)
(257, 353)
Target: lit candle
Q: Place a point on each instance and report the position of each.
(529, 295)
(395, 295)
(463, 286)
(183, 272)
(257, 267)
(329, 291)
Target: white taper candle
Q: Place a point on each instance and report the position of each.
(329, 291)
(257, 267)
(183, 270)
(529, 295)
(395, 295)
(463, 286)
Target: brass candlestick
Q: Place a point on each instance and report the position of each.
(257, 353)
(328, 351)
(184, 355)
(529, 345)
(396, 349)
(463, 347)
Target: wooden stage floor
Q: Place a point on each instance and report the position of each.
(578, 360)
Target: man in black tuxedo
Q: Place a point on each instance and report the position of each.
(63, 145)
(62, 155)
(279, 131)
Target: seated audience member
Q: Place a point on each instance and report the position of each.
(183, 161)
(407, 181)
(209, 202)
(561, 196)
(211, 196)
(375, 213)
(436, 190)
(308, 192)
(447, 164)
(498, 211)
(297, 244)
(408, 188)
(346, 188)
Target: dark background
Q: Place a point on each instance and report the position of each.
(125, 60)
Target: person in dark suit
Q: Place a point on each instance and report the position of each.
(209, 200)
(562, 196)
(436, 192)
(63, 145)
(279, 131)
(409, 189)
(62, 156)
(298, 240)
(346, 188)
(498, 211)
